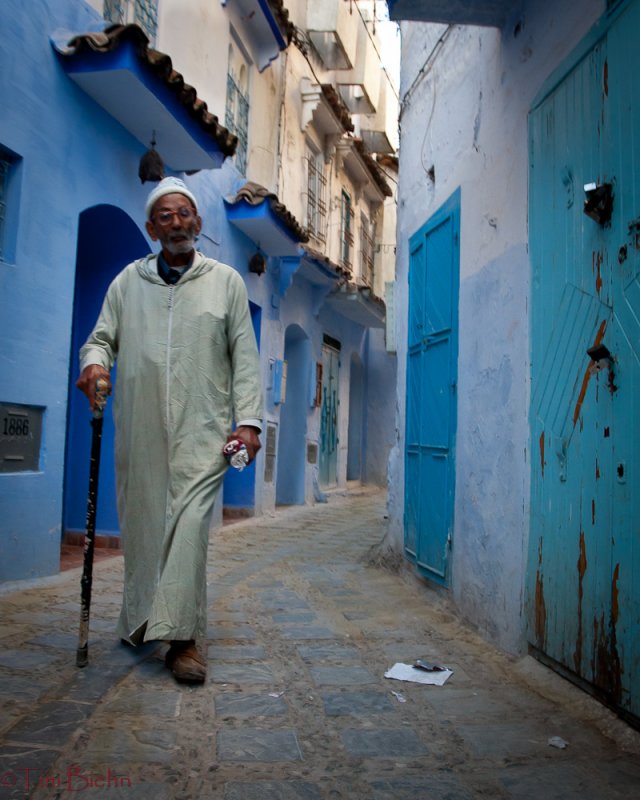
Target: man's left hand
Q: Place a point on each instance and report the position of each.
(251, 438)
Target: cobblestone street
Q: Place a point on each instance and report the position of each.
(296, 707)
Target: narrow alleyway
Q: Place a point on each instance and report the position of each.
(296, 707)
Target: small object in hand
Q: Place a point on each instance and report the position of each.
(427, 666)
(236, 454)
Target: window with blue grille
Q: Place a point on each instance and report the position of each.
(115, 11)
(237, 115)
(143, 12)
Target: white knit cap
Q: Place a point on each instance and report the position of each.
(168, 186)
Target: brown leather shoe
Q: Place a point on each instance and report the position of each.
(186, 663)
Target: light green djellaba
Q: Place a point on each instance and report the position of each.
(187, 364)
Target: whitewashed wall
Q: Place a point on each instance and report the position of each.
(466, 117)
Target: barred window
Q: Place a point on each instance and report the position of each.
(143, 12)
(10, 180)
(316, 193)
(237, 114)
(367, 237)
(346, 231)
(115, 11)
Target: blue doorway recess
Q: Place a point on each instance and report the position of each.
(432, 361)
(329, 438)
(290, 484)
(356, 419)
(108, 239)
(239, 488)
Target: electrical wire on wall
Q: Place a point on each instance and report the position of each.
(425, 69)
(427, 130)
(423, 72)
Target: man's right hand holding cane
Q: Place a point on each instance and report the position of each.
(88, 381)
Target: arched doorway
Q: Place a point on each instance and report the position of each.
(356, 419)
(290, 479)
(108, 239)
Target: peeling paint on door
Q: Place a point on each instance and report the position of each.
(582, 568)
(583, 596)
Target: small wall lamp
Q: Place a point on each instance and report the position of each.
(257, 263)
(151, 167)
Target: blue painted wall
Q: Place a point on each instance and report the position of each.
(72, 156)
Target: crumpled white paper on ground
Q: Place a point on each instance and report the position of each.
(407, 672)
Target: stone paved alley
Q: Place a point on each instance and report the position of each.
(296, 707)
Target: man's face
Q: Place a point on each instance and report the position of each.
(175, 224)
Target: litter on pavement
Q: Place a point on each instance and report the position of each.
(557, 741)
(409, 672)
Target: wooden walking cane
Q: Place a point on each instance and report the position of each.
(82, 653)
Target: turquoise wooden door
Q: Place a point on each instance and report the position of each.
(584, 549)
(431, 391)
(329, 440)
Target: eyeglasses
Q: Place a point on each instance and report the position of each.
(165, 217)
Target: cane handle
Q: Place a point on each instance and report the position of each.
(102, 392)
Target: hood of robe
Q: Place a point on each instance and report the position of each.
(148, 268)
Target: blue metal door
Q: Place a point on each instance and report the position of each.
(583, 604)
(329, 439)
(431, 391)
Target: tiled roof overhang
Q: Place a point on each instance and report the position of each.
(338, 106)
(139, 87)
(314, 268)
(282, 17)
(259, 214)
(373, 168)
(357, 304)
(362, 168)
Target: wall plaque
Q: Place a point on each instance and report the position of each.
(20, 436)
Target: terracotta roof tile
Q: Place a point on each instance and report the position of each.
(115, 35)
(316, 255)
(282, 18)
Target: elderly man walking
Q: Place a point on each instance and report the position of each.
(179, 325)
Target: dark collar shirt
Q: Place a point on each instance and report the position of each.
(171, 275)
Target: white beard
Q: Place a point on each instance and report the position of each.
(183, 246)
